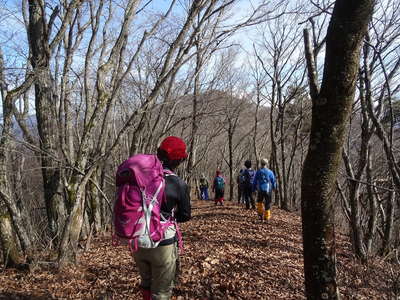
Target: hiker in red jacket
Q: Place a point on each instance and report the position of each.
(158, 266)
(219, 188)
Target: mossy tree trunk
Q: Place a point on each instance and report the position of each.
(12, 254)
(331, 109)
(68, 248)
(14, 239)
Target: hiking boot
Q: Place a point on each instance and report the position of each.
(267, 214)
(260, 208)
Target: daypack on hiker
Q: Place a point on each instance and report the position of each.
(241, 178)
(140, 192)
(219, 183)
(263, 182)
(248, 177)
(203, 183)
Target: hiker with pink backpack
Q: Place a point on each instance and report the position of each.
(151, 200)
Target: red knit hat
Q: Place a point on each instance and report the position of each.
(175, 148)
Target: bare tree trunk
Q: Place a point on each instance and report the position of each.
(104, 208)
(76, 185)
(373, 209)
(230, 159)
(12, 254)
(94, 199)
(11, 222)
(68, 249)
(45, 105)
(274, 152)
(355, 214)
(388, 229)
(256, 155)
(386, 138)
(194, 126)
(283, 186)
(331, 109)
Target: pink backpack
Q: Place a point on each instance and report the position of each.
(140, 193)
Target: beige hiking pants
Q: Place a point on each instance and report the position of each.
(157, 267)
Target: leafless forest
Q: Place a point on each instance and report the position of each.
(85, 84)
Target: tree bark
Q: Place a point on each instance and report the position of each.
(373, 208)
(283, 186)
(331, 109)
(45, 103)
(12, 254)
(11, 224)
(194, 123)
(388, 227)
(68, 248)
(354, 201)
(94, 204)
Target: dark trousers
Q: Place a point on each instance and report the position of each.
(264, 197)
(248, 198)
(219, 196)
(240, 194)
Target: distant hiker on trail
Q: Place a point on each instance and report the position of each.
(248, 188)
(240, 183)
(219, 188)
(264, 182)
(203, 188)
(151, 200)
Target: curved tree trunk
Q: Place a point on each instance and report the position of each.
(12, 230)
(68, 248)
(331, 109)
(12, 254)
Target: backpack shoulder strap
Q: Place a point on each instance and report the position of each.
(168, 172)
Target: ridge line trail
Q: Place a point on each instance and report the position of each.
(230, 254)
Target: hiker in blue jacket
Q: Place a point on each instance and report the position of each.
(264, 182)
(248, 188)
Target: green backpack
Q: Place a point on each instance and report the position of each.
(219, 183)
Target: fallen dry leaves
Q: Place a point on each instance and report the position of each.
(228, 254)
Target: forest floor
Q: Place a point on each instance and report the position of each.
(228, 254)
